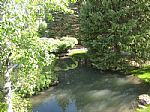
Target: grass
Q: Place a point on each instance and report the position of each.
(77, 51)
(144, 74)
(144, 110)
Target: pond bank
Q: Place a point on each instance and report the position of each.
(88, 90)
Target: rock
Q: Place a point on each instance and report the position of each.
(142, 106)
(144, 99)
(55, 83)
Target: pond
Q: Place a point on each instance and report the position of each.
(85, 89)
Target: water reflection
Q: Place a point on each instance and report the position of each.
(54, 106)
(89, 90)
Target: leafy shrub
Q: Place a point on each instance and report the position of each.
(42, 28)
(21, 104)
(29, 85)
(115, 32)
(19, 37)
(67, 43)
(3, 107)
(60, 45)
(31, 74)
(40, 74)
(31, 82)
(72, 41)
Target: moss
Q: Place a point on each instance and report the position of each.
(144, 110)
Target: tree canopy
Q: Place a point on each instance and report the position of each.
(116, 32)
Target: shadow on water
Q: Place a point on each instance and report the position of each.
(88, 90)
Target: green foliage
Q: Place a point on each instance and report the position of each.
(3, 107)
(115, 32)
(42, 27)
(28, 51)
(144, 110)
(33, 76)
(40, 73)
(47, 9)
(62, 45)
(20, 104)
(143, 73)
(67, 43)
(19, 37)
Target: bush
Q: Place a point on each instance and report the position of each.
(115, 32)
(21, 104)
(71, 40)
(42, 28)
(67, 43)
(41, 73)
(35, 73)
(3, 107)
(34, 81)
(62, 45)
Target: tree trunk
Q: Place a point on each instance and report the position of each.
(7, 89)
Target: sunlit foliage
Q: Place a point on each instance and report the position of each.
(21, 46)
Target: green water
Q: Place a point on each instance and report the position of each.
(84, 89)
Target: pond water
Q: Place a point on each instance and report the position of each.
(84, 89)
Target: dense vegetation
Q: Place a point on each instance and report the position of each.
(116, 32)
(27, 61)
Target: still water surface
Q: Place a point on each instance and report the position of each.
(88, 90)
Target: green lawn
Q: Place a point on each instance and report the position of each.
(77, 51)
(144, 74)
(144, 110)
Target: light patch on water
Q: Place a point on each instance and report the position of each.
(95, 107)
(122, 81)
(63, 94)
(99, 93)
(107, 106)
